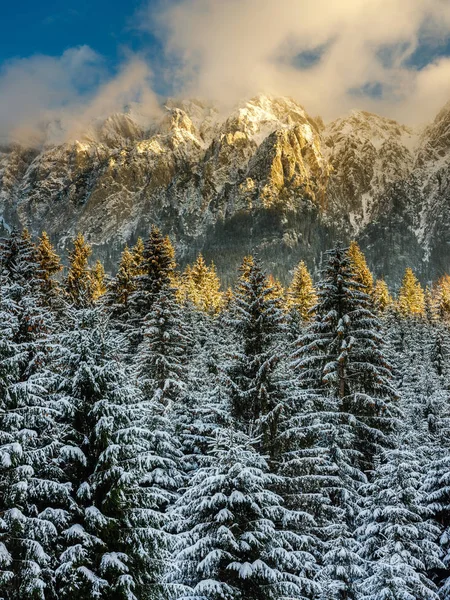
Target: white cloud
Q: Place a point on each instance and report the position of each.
(235, 48)
(226, 50)
(70, 90)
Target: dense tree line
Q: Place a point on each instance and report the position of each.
(163, 438)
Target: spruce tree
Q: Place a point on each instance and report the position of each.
(78, 282)
(33, 497)
(114, 544)
(397, 535)
(98, 283)
(382, 299)
(341, 354)
(301, 293)
(50, 267)
(359, 268)
(201, 286)
(138, 256)
(236, 538)
(411, 297)
(120, 288)
(441, 297)
(162, 355)
(255, 393)
(277, 290)
(156, 272)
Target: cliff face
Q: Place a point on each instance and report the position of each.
(267, 177)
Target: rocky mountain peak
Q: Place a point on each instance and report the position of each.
(265, 176)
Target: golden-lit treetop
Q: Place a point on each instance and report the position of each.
(440, 297)
(361, 271)
(301, 295)
(246, 265)
(78, 280)
(124, 283)
(98, 283)
(200, 285)
(49, 261)
(276, 289)
(138, 255)
(381, 296)
(411, 297)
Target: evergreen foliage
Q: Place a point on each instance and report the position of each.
(359, 268)
(78, 282)
(214, 458)
(411, 297)
(301, 293)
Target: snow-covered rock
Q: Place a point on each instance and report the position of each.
(266, 176)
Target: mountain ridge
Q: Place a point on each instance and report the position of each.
(265, 177)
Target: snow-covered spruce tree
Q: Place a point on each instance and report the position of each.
(396, 532)
(440, 353)
(319, 478)
(160, 366)
(205, 408)
(162, 355)
(437, 483)
(33, 497)
(113, 546)
(255, 393)
(22, 279)
(120, 288)
(342, 355)
(155, 271)
(237, 540)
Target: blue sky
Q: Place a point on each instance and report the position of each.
(50, 27)
(71, 60)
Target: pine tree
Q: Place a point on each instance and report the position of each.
(301, 293)
(114, 545)
(157, 268)
(22, 276)
(359, 268)
(411, 297)
(396, 532)
(441, 297)
(277, 290)
(257, 319)
(382, 299)
(201, 286)
(98, 285)
(246, 265)
(138, 256)
(319, 478)
(33, 499)
(204, 406)
(78, 283)
(50, 267)
(122, 286)
(161, 359)
(236, 539)
(437, 482)
(341, 354)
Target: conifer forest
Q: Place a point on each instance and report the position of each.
(163, 438)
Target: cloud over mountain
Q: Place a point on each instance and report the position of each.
(385, 56)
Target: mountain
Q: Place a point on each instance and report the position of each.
(267, 177)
